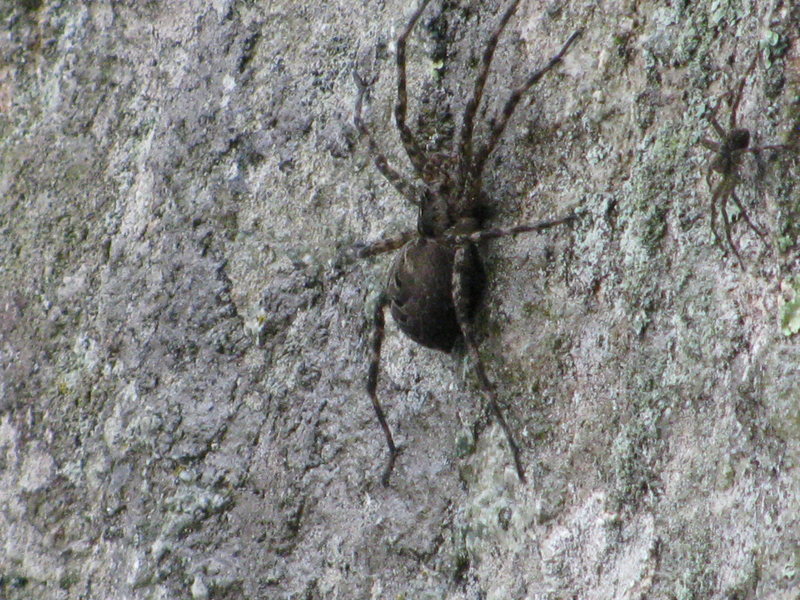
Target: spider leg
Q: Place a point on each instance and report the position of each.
(383, 245)
(400, 183)
(758, 149)
(715, 124)
(746, 218)
(710, 144)
(738, 96)
(410, 143)
(488, 234)
(712, 118)
(726, 222)
(461, 302)
(498, 125)
(372, 383)
(465, 145)
(714, 199)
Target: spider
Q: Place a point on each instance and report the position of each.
(732, 145)
(436, 280)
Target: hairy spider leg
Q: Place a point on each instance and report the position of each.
(410, 143)
(718, 198)
(378, 323)
(400, 183)
(384, 245)
(737, 98)
(710, 144)
(468, 126)
(715, 124)
(727, 224)
(746, 218)
(498, 125)
(461, 302)
(489, 234)
(758, 149)
(714, 196)
(722, 193)
(712, 118)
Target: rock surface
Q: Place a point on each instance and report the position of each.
(183, 339)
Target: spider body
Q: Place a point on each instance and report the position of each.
(436, 281)
(420, 291)
(733, 144)
(729, 151)
(420, 282)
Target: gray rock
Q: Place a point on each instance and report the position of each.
(183, 349)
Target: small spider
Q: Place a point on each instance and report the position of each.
(729, 150)
(436, 280)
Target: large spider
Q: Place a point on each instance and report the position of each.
(729, 150)
(436, 280)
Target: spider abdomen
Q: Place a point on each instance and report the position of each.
(420, 292)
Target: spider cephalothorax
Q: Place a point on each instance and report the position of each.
(734, 142)
(436, 280)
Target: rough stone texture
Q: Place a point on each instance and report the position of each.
(182, 411)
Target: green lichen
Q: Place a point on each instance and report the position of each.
(653, 188)
(790, 312)
(774, 46)
(69, 580)
(697, 581)
(465, 443)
